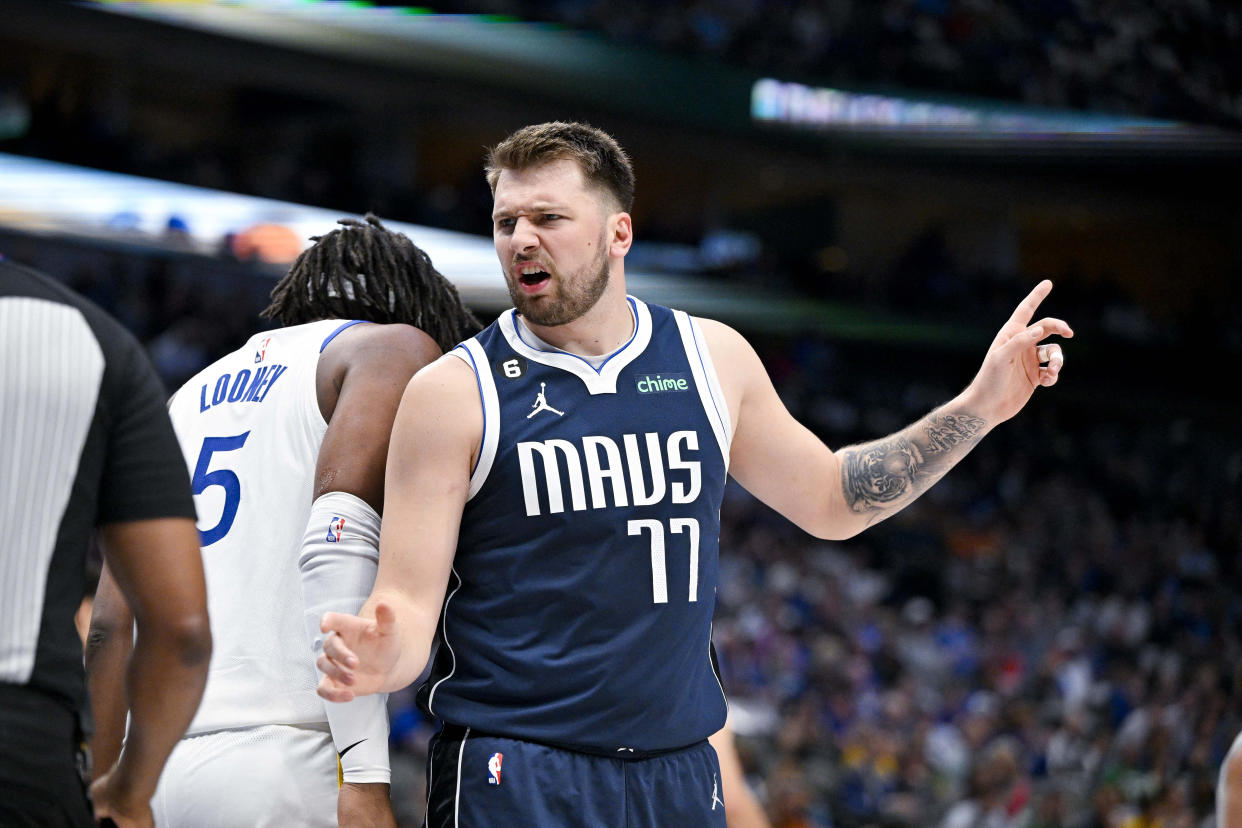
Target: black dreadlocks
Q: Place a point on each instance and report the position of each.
(363, 270)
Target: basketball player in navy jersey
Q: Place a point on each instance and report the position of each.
(286, 440)
(552, 501)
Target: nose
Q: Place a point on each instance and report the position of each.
(524, 238)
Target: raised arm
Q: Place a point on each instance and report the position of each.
(836, 494)
(435, 440)
(157, 566)
(359, 381)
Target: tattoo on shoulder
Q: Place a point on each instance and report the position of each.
(877, 475)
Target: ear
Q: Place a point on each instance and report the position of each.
(620, 235)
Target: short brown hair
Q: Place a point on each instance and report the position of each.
(601, 158)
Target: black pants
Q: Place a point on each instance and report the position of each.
(40, 750)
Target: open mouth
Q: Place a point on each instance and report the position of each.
(533, 279)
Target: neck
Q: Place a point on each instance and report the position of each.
(601, 330)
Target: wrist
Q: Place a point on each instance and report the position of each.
(970, 403)
(127, 786)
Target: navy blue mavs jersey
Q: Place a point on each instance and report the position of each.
(580, 604)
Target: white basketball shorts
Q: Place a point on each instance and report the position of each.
(273, 775)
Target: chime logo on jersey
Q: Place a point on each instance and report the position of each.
(493, 768)
(663, 382)
(335, 527)
(261, 354)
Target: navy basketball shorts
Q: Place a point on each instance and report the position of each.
(482, 781)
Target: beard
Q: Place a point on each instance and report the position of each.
(575, 295)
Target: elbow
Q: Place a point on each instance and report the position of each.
(836, 527)
(186, 638)
(834, 533)
(193, 640)
(98, 638)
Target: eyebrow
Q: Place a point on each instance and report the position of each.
(535, 207)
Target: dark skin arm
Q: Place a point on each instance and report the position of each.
(359, 382)
(109, 643)
(157, 568)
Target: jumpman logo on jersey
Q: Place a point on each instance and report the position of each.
(716, 800)
(541, 404)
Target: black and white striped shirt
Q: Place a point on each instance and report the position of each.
(85, 440)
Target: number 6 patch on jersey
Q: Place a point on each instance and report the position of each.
(511, 366)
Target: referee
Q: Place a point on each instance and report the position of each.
(85, 443)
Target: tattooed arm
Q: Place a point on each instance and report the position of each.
(881, 477)
(836, 494)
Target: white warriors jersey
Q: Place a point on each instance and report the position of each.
(250, 428)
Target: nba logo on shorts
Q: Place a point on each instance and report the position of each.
(493, 768)
(334, 529)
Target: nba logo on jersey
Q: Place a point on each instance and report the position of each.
(493, 768)
(335, 527)
(260, 354)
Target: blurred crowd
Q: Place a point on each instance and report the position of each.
(1164, 59)
(1048, 638)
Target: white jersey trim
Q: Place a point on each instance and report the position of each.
(471, 353)
(711, 631)
(431, 697)
(598, 381)
(461, 753)
(710, 393)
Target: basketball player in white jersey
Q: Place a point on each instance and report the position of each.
(286, 441)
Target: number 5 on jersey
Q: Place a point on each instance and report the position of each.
(224, 478)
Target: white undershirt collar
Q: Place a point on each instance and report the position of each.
(599, 373)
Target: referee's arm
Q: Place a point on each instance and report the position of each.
(151, 549)
(109, 644)
(157, 566)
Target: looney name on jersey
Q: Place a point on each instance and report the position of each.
(245, 386)
(653, 469)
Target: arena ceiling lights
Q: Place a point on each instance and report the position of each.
(569, 66)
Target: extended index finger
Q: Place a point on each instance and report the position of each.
(1025, 310)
